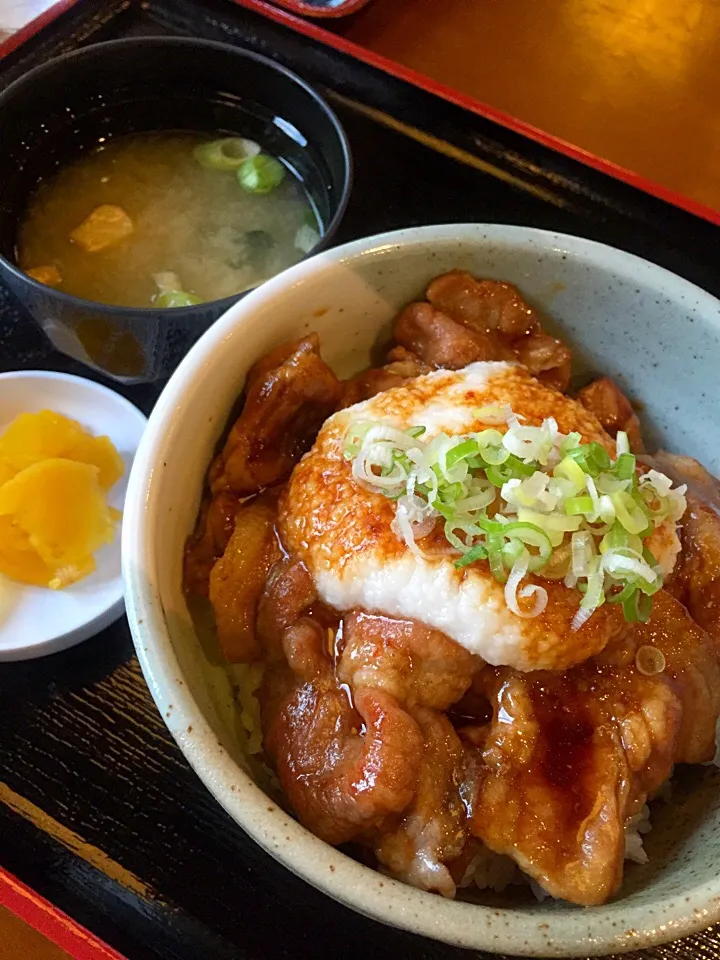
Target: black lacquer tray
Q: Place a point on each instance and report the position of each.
(99, 812)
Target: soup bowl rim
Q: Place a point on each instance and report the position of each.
(221, 304)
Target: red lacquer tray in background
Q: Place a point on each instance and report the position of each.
(274, 10)
(322, 8)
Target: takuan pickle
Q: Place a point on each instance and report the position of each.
(54, 514)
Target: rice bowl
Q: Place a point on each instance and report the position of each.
(361, 287)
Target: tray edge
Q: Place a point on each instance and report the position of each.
(51, 922)
(315, 31)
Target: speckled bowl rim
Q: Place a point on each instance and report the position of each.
(559, 932)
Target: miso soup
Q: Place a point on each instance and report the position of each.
(166, 219)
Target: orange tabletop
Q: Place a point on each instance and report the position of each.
(632, 81)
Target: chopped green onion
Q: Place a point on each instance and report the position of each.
(584, 521)
(622, 595)
(649, 588)
(580, 455)
(452, 538)
(171, 293)
(644, 608)
(607, 483)
(494, 456)
(648, 557)
(467, 448)
(600, 456)
(622, 444)
(226, 154)
(446, 510)
(479, 497)
(260, 174)
(496, 477)
(354, 437)
(571, 471)
(629, 512)
(512, 551)
(451, 492)
(582, 552)
(591, 458)
(490, 443)
(579, 505)
(571, 441)
(478, 552)
(494, 546)
(557, 566)
(492, 414)
(512, 469)
(554, 525)
(625, 466)
(594, 593)
(531, 536)
(616, 537)
(634, 542)
(624, 563)
(637, 608)
(176, 298)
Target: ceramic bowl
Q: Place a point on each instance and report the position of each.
(658, 335)
(63, 107)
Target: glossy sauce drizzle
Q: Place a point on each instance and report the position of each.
(564, 749)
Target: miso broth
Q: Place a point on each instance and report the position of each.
(145, 215)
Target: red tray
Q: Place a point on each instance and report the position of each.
(53, 924)
(325, 35)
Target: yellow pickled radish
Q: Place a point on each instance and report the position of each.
(36, 436)
(54, 515)
(18, 560)
(33, 437)
(101, 453)
(61, 507)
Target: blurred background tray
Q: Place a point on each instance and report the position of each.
(99, 812)
(630, 88)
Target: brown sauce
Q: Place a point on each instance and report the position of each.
(472, 710)
(565, 744)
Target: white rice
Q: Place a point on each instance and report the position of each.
(246, 679)
(493, 871)
(635, 827)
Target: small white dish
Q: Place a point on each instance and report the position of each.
(35, 621)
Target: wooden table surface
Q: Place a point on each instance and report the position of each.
(633, 81)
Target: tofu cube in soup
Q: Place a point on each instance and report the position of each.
(49, 275)
(105, 226)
